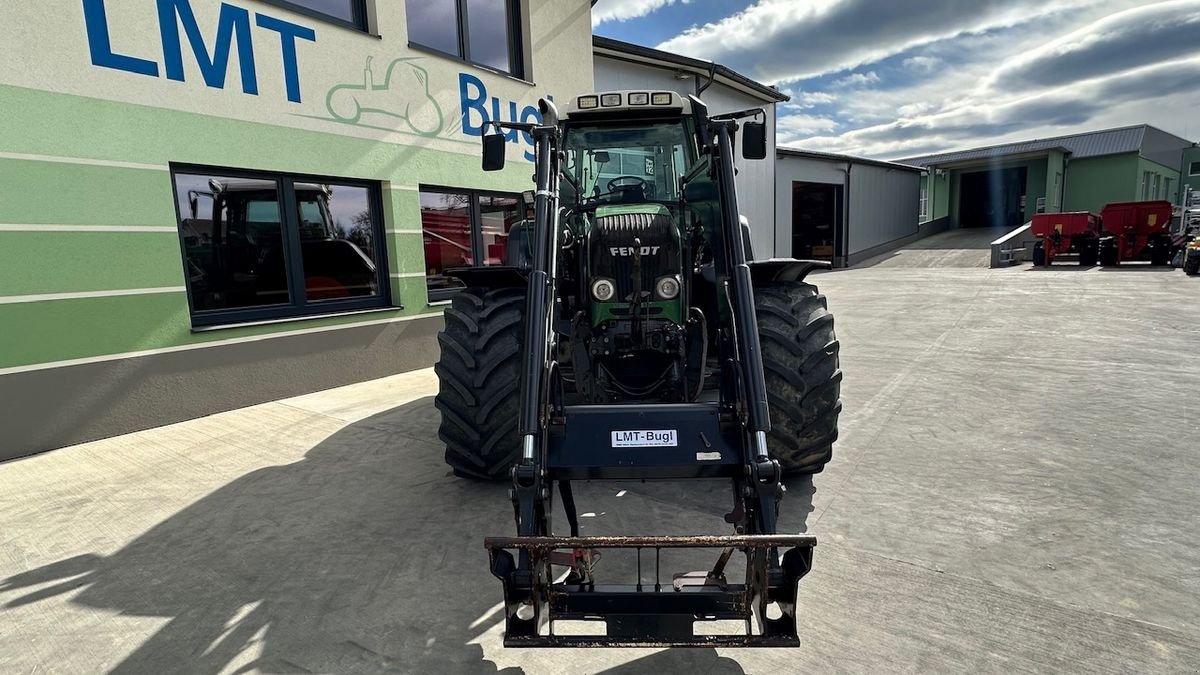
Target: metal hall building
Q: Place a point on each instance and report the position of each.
(1005, 185)
(842, 208)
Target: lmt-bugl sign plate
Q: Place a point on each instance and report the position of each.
(659, 438)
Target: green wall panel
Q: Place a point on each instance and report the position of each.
(61, 262)
(57, 193)
(1035, 187)
(58, 330)
(1093, 182)
(1163, 173)
(74, 192)
(76, 126)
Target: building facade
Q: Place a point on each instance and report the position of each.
(206, 204)
(1005, 185)
(621, 65)
(841, 208)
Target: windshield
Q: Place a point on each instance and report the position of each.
(657, 154)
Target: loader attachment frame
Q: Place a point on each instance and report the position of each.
(658, 614)
(725, 438)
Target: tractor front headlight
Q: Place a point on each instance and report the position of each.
(667, 288)
(603, 290)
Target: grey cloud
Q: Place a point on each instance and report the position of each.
(1133, 38)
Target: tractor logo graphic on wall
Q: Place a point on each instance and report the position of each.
(402, 95)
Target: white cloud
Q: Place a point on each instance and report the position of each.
(856, 80)
(786, 40)
(623, 10)
(1114, 64)
(924, 64)
(809, 99)
(1163, 94)
(789, 127)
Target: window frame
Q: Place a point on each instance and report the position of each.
(516, 40)
(358, 8)
(474, 212)
(923, 203)
(1194, 168)
(298, 306)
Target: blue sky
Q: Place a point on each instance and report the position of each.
(896, 78)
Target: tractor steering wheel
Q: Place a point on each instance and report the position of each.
(626, 183)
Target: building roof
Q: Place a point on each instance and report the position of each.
(628, 51)
(1089, 144)
(852, 159)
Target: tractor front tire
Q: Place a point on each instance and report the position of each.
(1191, 263)
(803, 378)
(479, 380)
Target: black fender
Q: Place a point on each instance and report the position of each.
(496, 276)
(784, 269)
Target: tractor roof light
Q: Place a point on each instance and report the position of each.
(610, 100)
(661, 98)
(589, 102)
(639, 98)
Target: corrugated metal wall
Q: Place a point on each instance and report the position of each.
(883, 206)
(755, 181)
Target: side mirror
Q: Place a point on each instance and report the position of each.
(494, 152)
(602, 157)
(754, 140)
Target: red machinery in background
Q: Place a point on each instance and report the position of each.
(1136, 231)
(1060, 233)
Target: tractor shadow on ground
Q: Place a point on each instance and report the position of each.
(364, 557)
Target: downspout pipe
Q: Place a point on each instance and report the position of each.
(712, 75)
(842, 235)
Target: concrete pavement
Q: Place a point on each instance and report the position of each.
(1014, 491)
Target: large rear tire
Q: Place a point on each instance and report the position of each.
(800, 362)
(479, 380)
(1039, 254)
(1108, 254)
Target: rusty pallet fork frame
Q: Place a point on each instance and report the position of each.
(561, 443)
(645, 615)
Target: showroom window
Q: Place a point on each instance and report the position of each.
(483, 32)
(464, 228)
(352, 13)
(262, 246)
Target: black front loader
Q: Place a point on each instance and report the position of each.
(723, 435)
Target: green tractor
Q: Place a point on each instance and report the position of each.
(632, 337)
(639, 309)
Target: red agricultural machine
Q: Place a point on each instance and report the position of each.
(1136, 231)
(1063, 233)
(1123, 231)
